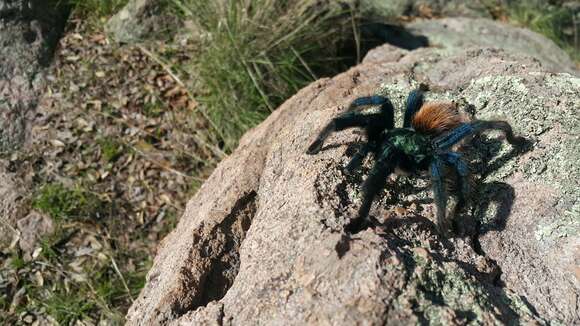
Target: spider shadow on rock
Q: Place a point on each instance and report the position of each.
(426, 143)
(472, 219)
(469, 219)
(403, 234)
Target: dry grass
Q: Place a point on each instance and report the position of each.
(257, 53)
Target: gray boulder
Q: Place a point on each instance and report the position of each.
(445, 8)
(141, 20)
(263, 240)
(29, 32)
(457, 34)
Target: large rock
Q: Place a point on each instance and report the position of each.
(262, 242)
(11, 206)
(29, 32)
(446, 8)
(141, 20)
(457, 34)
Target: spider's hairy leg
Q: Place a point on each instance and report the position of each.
(439, 193)
(482, 125)
(466, 225)
(386, 114)
(446, 141)
(454, 159)
(373, 184)
(358, 158)
(343, 121)
(413, 104)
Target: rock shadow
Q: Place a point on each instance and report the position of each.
(403, 235)
(394, 35)
(496, 196)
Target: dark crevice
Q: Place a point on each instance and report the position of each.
(218, 251)
(227, 265)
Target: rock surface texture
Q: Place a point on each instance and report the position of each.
(262, 242)
(421, 8)
(29, 32)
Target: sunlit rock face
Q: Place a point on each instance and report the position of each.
(263, 241)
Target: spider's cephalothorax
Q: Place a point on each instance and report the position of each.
(423, 144)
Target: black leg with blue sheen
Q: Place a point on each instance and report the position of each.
(446, 141)
(344, 121)
(414, 103)
(373, 184)
(439, 192)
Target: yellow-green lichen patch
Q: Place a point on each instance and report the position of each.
(442, 293)
(568, 225)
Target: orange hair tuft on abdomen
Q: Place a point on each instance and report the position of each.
(436, 118)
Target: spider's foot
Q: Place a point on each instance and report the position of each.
(520, 142)
(314, 148)
(356, 225)
(359, 224)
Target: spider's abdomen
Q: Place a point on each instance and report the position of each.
(436, 118)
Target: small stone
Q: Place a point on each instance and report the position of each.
(28, 319)
(32, 227)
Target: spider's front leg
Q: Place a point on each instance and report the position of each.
(374, 123)
(343, 121)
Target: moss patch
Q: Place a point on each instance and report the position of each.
(111, 149)
(61, 202)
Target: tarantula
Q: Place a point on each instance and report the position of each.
(424, 143)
